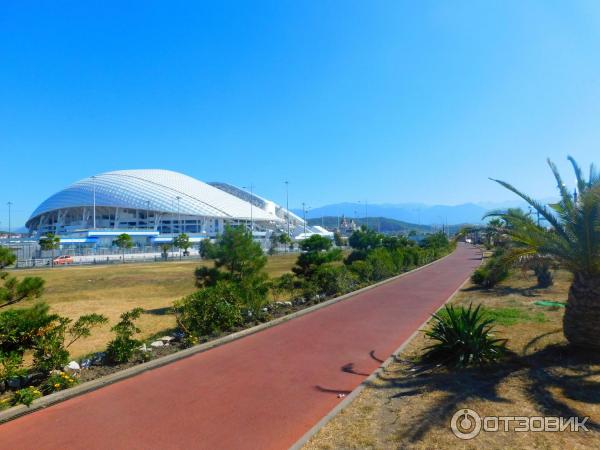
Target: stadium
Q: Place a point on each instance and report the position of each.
(155, 205)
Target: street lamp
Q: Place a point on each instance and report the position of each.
(9, 230)
(304, 216)
(251, 208)
(94, 202)
(178, 214)
(287, 205)
(148, 214)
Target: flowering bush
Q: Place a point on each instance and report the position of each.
(25, 396)
(58, 381)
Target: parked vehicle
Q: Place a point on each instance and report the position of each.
(63, 259)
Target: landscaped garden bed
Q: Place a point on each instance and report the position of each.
(235, 294)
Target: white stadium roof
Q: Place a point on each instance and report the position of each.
(156, 190)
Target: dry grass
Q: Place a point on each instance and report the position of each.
(410, 405)
(113, 289)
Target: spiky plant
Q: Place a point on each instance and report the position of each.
(573, 240)
(463, 338)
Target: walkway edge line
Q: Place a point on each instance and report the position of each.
(98, 383)
(379, 371)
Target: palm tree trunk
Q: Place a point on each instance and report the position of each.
(581, 322)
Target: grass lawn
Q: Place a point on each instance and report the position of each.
(113, 289)
(411, 405)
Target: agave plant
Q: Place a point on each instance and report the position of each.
(464, 338)
(572, 240)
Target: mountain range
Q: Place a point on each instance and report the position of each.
(414, 213)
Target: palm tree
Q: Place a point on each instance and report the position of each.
(572, 240)
(123, 241)
(49, 241)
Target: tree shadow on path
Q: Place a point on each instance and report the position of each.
(557, 368)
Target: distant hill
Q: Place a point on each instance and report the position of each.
(382, 224)
(413, 213)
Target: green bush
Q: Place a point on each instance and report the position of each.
(210, 310)
(122, 348)
(382, 264)
(11, 366)
(58, 381)
(285, 284)
(253, 295)
(25, 396)
(493, 272)
(20, 327)
(51, 346)
(543, 274)
(317, 251)
(463, 338)
(362, 270)
(335, 280)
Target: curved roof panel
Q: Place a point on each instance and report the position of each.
(153, 189)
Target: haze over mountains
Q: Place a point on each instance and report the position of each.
(416, 213)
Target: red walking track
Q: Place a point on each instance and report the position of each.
(259, 392)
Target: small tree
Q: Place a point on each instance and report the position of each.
(206, 248)
(123, 346)
(50, 241)
(338, 239)
(123, 241)
(164, 250)
(12, 290)
(316, 252)
(238, 254)
(183, 242)
(285, 240)
(51, 343)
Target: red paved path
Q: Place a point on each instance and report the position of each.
(262, 391)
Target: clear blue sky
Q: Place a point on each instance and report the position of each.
(389, 101)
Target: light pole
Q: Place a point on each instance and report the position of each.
(366, 214)
(148, 214)
(9, 230)
(251, 208)
(94, 202)
(178, 214)
(304, 216)
(287, 205)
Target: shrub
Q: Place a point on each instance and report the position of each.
(19, 327)
(464, 337)
(382, 264)
(399, 259)
(543, 274)
(11, 365)
(494, 271)
(335, 280)
(210, 310)
(58, 381)
(253, 295)
(317, 251)
(50, 346)
(49, 351)
(25, 396)
(362, 270)
(122, 348)
(286, 283)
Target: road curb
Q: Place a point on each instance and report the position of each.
(379, 371)
(57, 397)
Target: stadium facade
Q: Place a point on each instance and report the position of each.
(154, 205)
